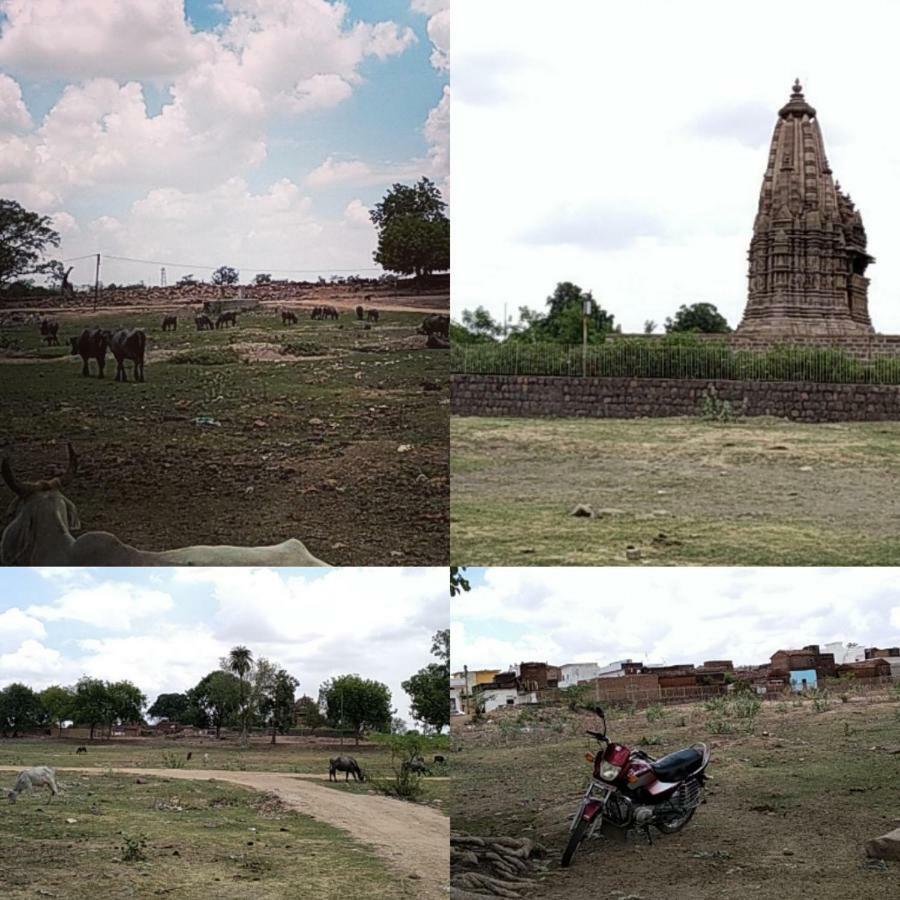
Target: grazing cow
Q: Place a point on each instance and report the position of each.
(439, 325)
(39, 776)
(360, 312)
(288, 317)
(124, 345)
(203, 323)
(346, 764)
(170, 323)
(372, 315)
(50, 329)
(226, 318)
(417, 765)
(81, 749)
(92, 343)
(43, 519)
(439, 760)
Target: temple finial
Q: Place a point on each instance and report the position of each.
(798, 89)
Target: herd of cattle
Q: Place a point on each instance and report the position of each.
(130, 344)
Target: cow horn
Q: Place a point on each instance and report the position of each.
(16, 486)
(71, 469)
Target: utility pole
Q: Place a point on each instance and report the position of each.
(162, 277)
(586, 309)
(97, 283)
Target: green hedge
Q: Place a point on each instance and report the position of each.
(675, 359)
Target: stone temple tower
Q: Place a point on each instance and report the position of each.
(808, 252)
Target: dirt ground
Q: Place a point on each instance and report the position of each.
(329, 432)
(412, 840)
(681, 491)
(786, 815)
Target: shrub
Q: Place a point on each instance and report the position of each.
(220, 356)
(133, 848)
(655, 712)
(173, 760)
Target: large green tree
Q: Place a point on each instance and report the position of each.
(24, 239)
(20, 709)
(413, 229)
(174, 707)
(217, 699)
(429, 688)
(698, 317)
(59, 703)
(481, 325)
(274, 690)
(90, 704)
(226, 275)
(125, 703)
(561, 323)
(360, 703)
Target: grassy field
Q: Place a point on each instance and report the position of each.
(682, 491)
(192, 839)
(323, 431)
(792, 798)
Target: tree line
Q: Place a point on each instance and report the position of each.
(243, 692)
(561, 321)
(410, 220)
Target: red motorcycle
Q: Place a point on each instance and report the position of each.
(630, 789)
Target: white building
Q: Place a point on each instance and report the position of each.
(457, 689)
(844, 653)
(571, 673)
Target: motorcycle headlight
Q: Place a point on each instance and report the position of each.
(609, 772)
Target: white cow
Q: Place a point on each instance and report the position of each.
(40, 534)
(38, 776)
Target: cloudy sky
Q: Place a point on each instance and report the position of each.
(254, 133)
(622, 146)
(667, 616)
(164, 629)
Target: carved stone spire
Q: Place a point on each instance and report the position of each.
(808, 251)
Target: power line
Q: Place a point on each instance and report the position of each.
(161, 262)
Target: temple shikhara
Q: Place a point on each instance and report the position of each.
(808, 253)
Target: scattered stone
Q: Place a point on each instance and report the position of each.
(582, 511)
(633, 553)
(806, 468)
(885, 847)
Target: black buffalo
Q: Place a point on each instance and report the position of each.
(288, 317)
(226, 318)
(372, 315)
(360, 312)
(50, 329)
(203, 323)
(345, 764)
(170, 323)
(439, 325)
(124, 345)
(92, 343)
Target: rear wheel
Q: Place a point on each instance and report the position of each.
(675, 823)
(576, 836)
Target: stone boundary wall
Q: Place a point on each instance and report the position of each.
(631, 398)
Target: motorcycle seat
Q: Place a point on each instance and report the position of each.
(677, 765)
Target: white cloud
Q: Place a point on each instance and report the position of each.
(437, 133)
(117, 606)
(32, 663)
(16, 626)
(88, 38)
(14, 115)
(668, 616)
(438, 28)
(334, 171)
(357, 214)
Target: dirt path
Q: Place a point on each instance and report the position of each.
(413, 839)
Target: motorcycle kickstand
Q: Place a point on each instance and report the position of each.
(646, 830)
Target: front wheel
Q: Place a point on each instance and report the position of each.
(575, 838)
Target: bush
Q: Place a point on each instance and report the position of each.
(173, 760)
(133, 848)
(655, 712)
(222, 356)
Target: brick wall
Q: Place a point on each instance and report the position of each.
(631, 398)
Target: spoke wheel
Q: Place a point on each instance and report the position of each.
(575, 838)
